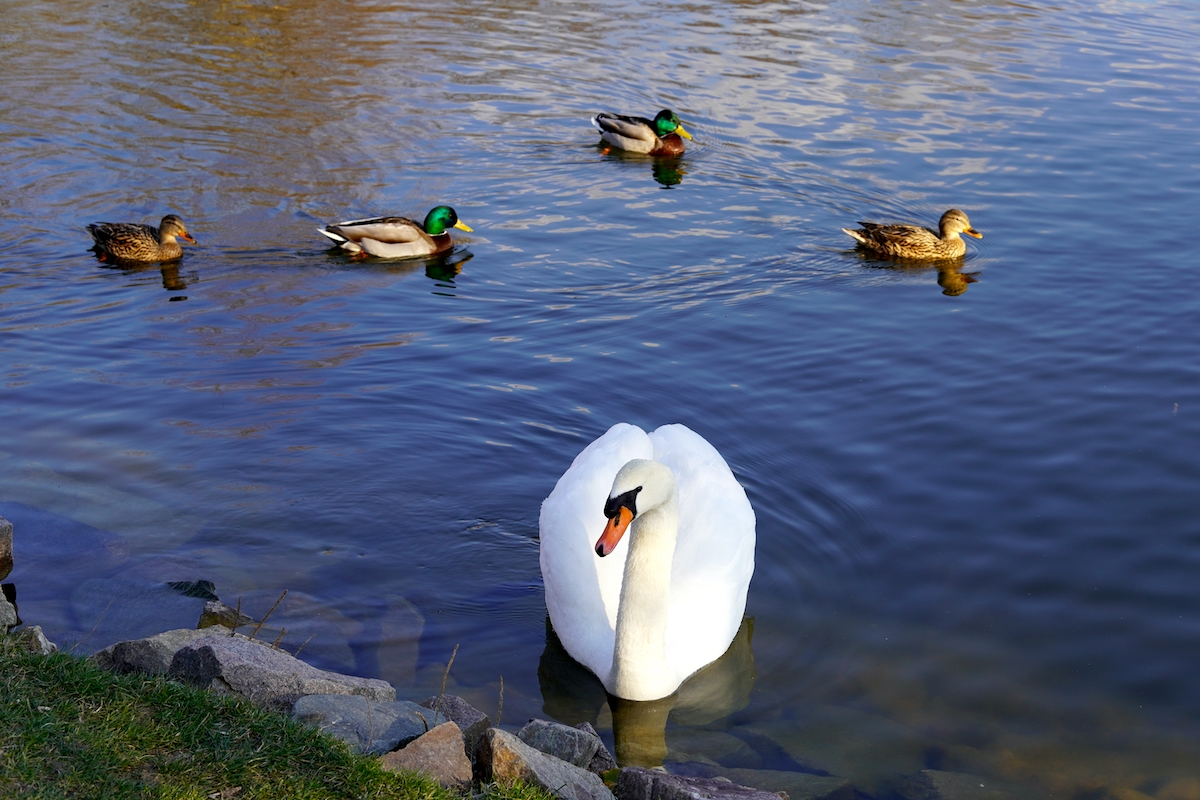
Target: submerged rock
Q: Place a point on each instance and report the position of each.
(936, 784)
(120, 609)
(504, 757)
(368, 726)
(400, 630)
(438, 754)
(796, 785)
(218, 613)
(303, 623)
(640, 783)
(267, 677)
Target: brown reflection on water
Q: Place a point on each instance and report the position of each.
(954, 282)
(950, 275)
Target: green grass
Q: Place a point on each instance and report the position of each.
(70, 729)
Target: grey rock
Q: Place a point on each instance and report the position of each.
(33, 640)
(639, 783)
(504, 757)
(267, 677)
(6, 559)
(561, 741)
(470, 720)
(217, 613)
(120, 609)
(151, 655)
(8, 615)
(438, 754)
(368, 726)
(797, 785)
(935, 784)
(603, 761)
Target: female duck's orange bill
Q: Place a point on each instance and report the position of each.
(613, 532)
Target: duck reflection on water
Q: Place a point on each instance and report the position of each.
(442, 267)
(572, 694)
(172, 280)
(950, 275)
(955, 282)
(668, 171)
(446, 267)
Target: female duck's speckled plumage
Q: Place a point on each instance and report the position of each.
(128, 241)
(657, 137)
(397, 237)
(914, 242)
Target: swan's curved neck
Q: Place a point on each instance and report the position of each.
(640, 670)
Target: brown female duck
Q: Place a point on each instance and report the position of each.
(128, 241)
(912, 242)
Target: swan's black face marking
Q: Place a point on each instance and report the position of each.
(620, 511)
(613, 505)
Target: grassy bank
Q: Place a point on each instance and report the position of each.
(70, 729)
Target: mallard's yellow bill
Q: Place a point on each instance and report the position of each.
(462, 226)
(683, 133)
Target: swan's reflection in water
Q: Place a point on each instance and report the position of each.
(572, 694)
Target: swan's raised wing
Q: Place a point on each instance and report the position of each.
(582, 589)
(714, 551)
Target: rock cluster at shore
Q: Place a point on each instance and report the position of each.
(444, 736)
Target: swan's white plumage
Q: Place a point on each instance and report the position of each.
(713, 560)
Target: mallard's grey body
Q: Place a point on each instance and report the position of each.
(396, 237)
(657, 137)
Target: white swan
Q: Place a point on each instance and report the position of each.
(645, 615)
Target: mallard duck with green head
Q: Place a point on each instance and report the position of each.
(130, 241)
(915, 243)
(397, 237)
(657, 137)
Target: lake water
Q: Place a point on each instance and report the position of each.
(976, 489)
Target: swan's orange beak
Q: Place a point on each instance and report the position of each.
(613, 532)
